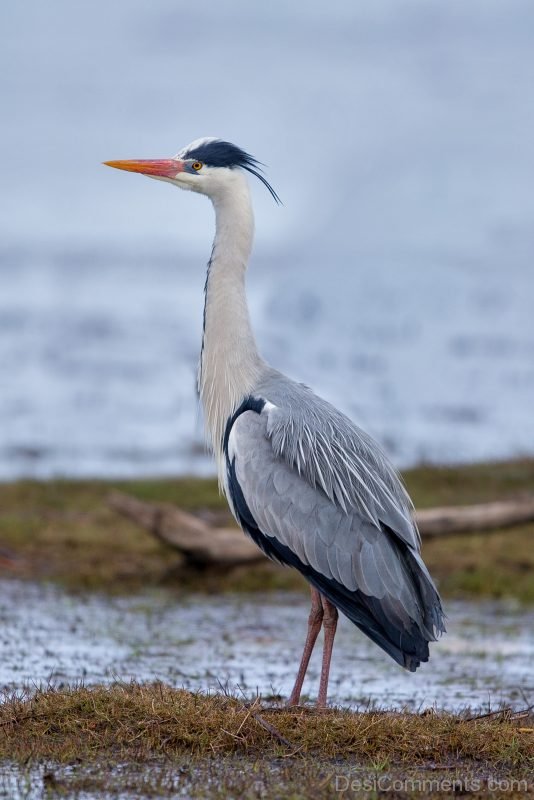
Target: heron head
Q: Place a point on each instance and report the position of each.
(208, 166)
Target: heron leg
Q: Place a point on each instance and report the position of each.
(330, 615)
(315, 620)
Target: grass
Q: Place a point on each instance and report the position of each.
(63, 531)
(215, 746)
(156, 741)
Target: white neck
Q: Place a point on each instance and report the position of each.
(229, 361)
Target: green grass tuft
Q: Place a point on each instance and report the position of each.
(153, 738)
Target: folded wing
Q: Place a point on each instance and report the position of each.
(370, 571)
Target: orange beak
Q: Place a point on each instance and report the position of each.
(157, 168)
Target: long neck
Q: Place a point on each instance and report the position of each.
(229, 362)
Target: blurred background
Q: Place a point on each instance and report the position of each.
(396, 279)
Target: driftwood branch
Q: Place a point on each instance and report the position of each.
(469, 519)
(199, 543)
(203, 545)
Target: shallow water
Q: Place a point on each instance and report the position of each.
(244, 644)
(396, 279)
(252, 643)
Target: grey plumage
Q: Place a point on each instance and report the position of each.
(317, 485)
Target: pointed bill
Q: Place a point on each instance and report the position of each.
(158, 168)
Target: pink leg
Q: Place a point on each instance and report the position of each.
(314, 626)
(330, 616)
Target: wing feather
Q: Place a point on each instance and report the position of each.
(336, 456)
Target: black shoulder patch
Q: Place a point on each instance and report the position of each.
(250, 403)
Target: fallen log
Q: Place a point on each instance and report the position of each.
(199, 543)
(469, 519)
(203, 545)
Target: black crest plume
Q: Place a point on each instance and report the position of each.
(217, 153)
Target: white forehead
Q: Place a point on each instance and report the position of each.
(193, 145)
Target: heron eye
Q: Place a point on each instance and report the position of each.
(197, 165)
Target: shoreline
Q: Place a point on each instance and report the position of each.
(64, 531)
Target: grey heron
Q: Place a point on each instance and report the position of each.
(312, 489)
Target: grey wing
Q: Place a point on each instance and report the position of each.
(334, 454)
(372, 576)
